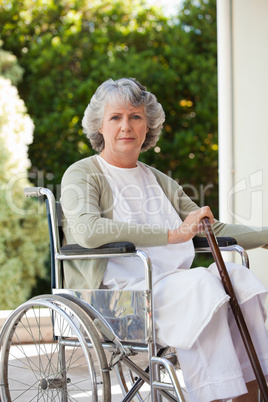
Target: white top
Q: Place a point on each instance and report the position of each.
(138, 198)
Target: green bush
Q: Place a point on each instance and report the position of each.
(23, 233)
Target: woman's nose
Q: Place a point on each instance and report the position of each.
(125, 124)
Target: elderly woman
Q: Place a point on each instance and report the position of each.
(112, 196)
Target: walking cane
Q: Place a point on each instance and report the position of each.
(236, 309)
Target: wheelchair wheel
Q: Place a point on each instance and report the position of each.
(51, 351)
(127, 377)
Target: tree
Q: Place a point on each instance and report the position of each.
(67, 48)
(23, 235)
(190, 52)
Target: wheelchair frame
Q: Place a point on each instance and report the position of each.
(91, 330)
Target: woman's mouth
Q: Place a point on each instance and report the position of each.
(126, 139)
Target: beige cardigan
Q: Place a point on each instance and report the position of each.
(87, 203)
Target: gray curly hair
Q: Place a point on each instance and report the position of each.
(122, 92)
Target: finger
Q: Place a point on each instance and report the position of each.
(206, 211)
(199, 228)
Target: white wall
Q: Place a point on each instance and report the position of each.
(243, 117)
(250, 119)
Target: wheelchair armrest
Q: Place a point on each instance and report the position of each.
(201, 242)
(109, 248)
(126, 247)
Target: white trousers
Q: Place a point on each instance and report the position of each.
(220, 369)
(192, 314)
(215, 365)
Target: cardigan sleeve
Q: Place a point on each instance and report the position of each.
(247, 237)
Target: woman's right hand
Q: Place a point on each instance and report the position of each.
(190, 226)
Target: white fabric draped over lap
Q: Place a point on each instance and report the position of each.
(193, 297)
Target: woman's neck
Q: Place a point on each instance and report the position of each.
(123, 162)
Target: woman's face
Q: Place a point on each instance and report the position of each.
(124, 131)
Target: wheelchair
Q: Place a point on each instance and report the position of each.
(64, 346)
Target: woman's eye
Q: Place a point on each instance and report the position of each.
(114, 118)
(136, 117)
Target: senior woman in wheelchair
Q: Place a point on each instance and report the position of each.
(111, 196)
